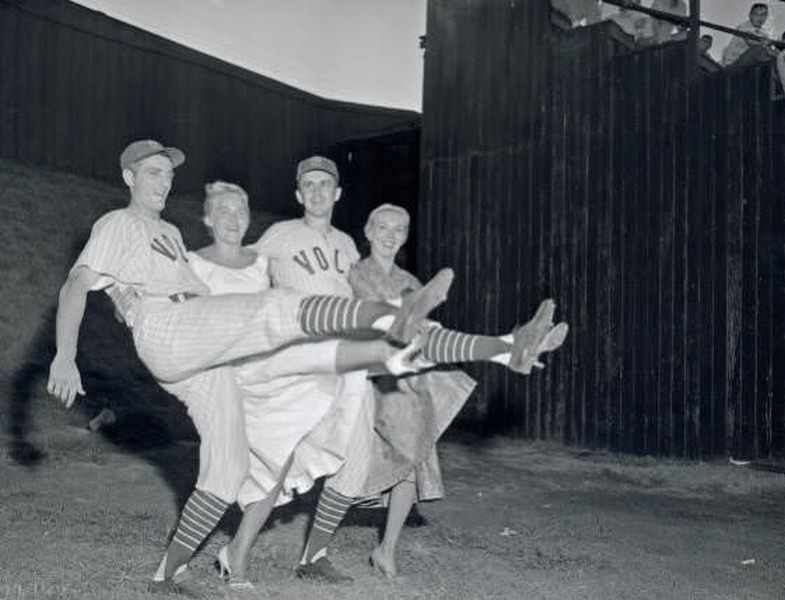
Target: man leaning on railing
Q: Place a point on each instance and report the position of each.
(741, 51)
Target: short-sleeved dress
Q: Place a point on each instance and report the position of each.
(412, 412)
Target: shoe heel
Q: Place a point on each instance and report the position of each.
(222, 564)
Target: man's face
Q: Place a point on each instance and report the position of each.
(228, 217)
(758, 16)
(150, 181)
(318, 192)
(388, 232)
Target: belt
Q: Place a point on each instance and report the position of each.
(182, 296)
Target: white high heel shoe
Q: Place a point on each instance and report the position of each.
(225, 573)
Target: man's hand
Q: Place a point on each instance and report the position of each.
(64, 381)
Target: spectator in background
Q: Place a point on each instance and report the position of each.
(705, 43)
(579, 12)
(705, 60)
(633, 23)
(781, 64)
(665, 31)
(741, 51)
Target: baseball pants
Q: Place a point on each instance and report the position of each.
(179, 340)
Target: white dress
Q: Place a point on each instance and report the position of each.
(285, 395)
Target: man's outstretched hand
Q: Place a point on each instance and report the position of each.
(65, 382)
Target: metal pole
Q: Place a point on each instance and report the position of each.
(693, 35)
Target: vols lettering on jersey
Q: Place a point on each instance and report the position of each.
(137, 256)
(169, 248)
(304, 259)
(320, 260)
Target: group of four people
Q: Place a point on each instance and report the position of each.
(252, 339)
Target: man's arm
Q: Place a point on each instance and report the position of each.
(64, 379)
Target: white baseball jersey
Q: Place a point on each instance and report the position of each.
(136, 256)
(304, 259)
(142, 262)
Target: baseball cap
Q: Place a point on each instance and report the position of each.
(316, 163)
(141, 149)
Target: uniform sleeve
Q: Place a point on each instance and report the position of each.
(116, 251)
(271, 241)
(263, 268)
(350, 249)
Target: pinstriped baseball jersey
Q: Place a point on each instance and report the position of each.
(304, 259)
(136, 256)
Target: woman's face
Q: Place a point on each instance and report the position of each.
(387, 233)
(228, 217)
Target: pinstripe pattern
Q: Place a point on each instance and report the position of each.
(137, 254)
(176, 341)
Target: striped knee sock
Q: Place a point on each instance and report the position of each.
(330, 511)
(448, 346)
(330, 315)
(199, 517)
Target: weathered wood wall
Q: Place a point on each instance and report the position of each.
(642, 196)
(76, 86)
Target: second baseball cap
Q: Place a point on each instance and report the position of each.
(141, 149)
(316, 163)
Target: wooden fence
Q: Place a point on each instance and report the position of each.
(76, 86)
(642, 196)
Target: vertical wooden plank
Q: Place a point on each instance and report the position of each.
(733, 261)
(9, 82)
(777, 252)
(750, 230)
(663, 232)
(30, 93)
(697, 301)
(681, 229)
(767, 253)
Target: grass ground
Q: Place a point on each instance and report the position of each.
(520, 520)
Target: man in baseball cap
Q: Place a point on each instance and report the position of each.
(141, 149)
(316, 163)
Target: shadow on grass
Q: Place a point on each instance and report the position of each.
(147, 420)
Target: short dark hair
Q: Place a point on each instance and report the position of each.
(758, 5)
(706, 36)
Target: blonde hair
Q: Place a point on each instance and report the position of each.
(219, 188)
(385, 207)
